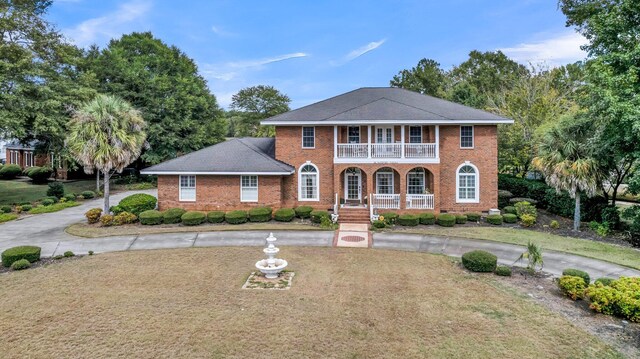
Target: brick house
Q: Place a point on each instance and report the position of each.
(25, 156)
(368, 150)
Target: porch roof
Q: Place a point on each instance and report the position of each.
(384, 105)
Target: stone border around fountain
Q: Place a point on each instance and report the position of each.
(257, 280)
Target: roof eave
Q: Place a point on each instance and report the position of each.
(385, 122)
(215, 173)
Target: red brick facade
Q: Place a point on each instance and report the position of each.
(26, 157)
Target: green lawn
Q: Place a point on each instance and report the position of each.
(625, 256)
(23, 191)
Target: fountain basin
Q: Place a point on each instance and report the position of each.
(271, 272)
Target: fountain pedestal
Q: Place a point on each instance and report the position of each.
(272, 266)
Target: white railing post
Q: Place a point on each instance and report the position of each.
(335, 141)
(402, 141)
(369, 141)
(437, 142)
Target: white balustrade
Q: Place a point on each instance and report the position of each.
(352, 150)
(420, 150)
(386, 150)
(385, 201)
(420, 201)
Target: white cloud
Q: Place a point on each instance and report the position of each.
(230, 70)
(110, 25)
(557, 50)
(359, 52)
(221, 32)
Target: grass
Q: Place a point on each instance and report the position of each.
(93, 231)
(6, 217)
(625, 256)
(343, 304)
(53, 208)
(23, 191)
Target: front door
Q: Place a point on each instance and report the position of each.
(353, 187)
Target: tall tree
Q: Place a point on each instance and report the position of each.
(565, 158)
(426, 78)
(164, 84)
(253, 104)
(105, 135)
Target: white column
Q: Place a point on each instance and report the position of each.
(402, 141)
(335, 141)
(437, 142)
(369, 141)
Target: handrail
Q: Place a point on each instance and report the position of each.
(420, 201)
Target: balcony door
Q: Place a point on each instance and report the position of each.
(384, 134)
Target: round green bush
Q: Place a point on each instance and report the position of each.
(479, 261)
(215, 217)
(10, 171)
(604, 281)
(389, 217)
(70, 197)
(494, 219)
(427, 218)
(193, 218)
(47, 202)
(446, 220)
(408, 220)
(474, 216)
(39, 174)
(26, 207)
(56, 189)
(461, 219)
(503, 271)
(5, 209)
(20, 264)
(509, 218)
(151, 217)
(510, 210)
(68, 254)
(30, 253)
(89, 195)
(236, 217)
(116, 210)
(578, 273)
(260, 214)
(137, 203)
(316, 216)
(172, 215)
(303, 211)
(284, 215)
(54, 199)
(379, 224)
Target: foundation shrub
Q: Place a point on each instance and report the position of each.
(93, 215)
(236, 217)
(446, 220)
(572, 286)
(172, 215)
(474, 216)
(408, 220)
(525, 207)
(494, 219)
(503, 198)
(260, 214)
(510, 218)
(137, 203)
(578, 273)
(390, 217)
(461, 219)
(30, 253)
(284, 215)
(193, 218)
(378, 224)
(316, 216)
(510, 210)
(527, 220)
(303, 212)
(151, 217)
(427, 218)
(479, 261)
(215, 217)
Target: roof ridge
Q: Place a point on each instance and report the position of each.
(417, 108)
(315, 103)
(258, 151)
(171, 160)
(353, 108)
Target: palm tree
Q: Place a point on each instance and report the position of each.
(564, 158)
(105, 135)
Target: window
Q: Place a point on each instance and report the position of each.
(14, 157)
(415, 134)
(308, 183)
(467, 183)
(248, 188)
(354, 134)
(466, 136)
(28, 159)
(188, 188)
(384, 183)
(415, 182)
(308, 137)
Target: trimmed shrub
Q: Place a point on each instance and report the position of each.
(173, 215)
(510, 218)
(572, 286)
(427, 218)
(56, 189)
(461, 219)
(116, 210)
(90, 253)
(138, 203)
(494, 219)
(578, 273)
(47, 202)
(124, 218)
(151, 217)
(316, 216)
(70, 197)
(236, 217)
(284, 215)
(378, 224)
(474, 216)
(446, 220)
(517, 200)
(107, 220)
(554, 224)
(20, 264)
(88, 194)
(215, 217)
(93, 215)
(503, 198)
(503, 271)
(510, 210)
(527, 220)
(479, 261)
(26, 208)
(39, 174)
(10, 171)
(54, 199)
(408, 220)
(524, 207)
(260, 214)
(619, 298)
(303, 211)
(604, 281)
(389, 217)
(30, 253)
(193, 218)
(5, 209)
(68, 254)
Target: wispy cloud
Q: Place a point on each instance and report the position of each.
(110, 25)
(354, 54)
(221, 32)
(556, 50)
(230, 70)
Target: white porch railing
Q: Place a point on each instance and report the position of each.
(385, 201)
(420, 150)
(352, 150)
(386, 150)
(420, 201)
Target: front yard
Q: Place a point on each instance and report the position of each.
(343, 303)
(18, 191)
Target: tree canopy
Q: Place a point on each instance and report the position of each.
(252, 104)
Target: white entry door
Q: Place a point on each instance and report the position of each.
(353, 186)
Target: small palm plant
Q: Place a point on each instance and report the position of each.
(533, 255)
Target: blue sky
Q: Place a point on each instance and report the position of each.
(311, 50)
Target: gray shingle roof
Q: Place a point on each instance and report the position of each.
(235, 156)
(384, 104)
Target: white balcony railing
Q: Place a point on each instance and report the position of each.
(386, 150)
(385, 201)
(420, 201)
(353, 150)
(420, 150)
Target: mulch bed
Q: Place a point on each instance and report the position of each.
(43, 262)
(257, 280)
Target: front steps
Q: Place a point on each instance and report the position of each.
(353, 215)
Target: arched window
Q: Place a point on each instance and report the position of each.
(308, 183)
(467, 183)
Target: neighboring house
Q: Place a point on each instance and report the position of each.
(3, 152)
(375, 148)
(25, 156)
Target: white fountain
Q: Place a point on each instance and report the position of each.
(272, 266)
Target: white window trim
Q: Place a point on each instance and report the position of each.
(195, 188)
(393, 185)
(257, 189)
(477, 186)
(424, 180)
(302, 137)
(317, 198)
(359, 134)
(421, 137)
(473, 137)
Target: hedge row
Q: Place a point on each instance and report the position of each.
(258, 214)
